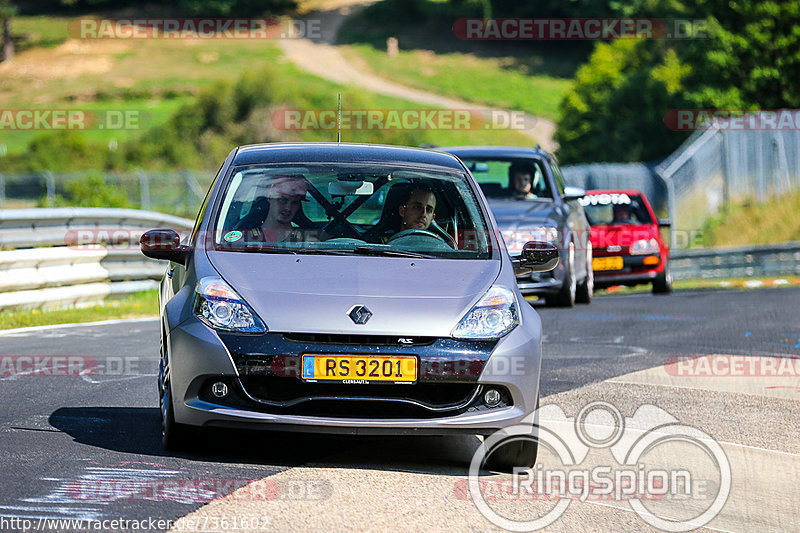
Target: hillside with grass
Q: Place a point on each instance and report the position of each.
(775, 221)
(197, 100)
(524, 76)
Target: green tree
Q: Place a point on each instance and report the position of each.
(7, 12)
(92, 191)
(745, 56)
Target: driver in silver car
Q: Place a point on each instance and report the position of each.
(419, 210)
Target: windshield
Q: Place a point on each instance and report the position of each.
(520, 179)
(615, 208)
(360, 209)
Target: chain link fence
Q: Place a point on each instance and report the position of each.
(716, 168)
(177, 193)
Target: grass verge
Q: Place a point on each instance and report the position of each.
(140, 304)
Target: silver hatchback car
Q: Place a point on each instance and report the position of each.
(347, 288)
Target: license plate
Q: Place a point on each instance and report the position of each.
(607, 263)
(359, 368)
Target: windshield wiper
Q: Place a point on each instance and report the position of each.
(358, 250)
(374, 250)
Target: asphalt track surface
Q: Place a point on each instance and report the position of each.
(87, 446)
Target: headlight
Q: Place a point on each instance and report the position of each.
(493, 316)
(644, 246)
(516, 239)
(220, 307)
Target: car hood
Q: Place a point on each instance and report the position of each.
(523, 214)
(314, 293)
(621, 235)
(516, 218)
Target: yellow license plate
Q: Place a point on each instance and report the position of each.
(360, 368)
(607, 263)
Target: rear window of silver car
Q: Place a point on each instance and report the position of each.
(351, 208)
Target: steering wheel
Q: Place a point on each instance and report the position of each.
(422, 233)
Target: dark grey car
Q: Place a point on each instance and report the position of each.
(549, 211)
(347, 288)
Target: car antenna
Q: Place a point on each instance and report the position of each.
(339, 121)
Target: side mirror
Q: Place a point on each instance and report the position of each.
(573, 193)
(536, 257)
(664, 223)
(164, 244)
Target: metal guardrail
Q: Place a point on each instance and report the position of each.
(67, 256)
(737, 262)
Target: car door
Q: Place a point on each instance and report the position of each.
(576, 222)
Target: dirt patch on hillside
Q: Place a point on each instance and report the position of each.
(72, 59)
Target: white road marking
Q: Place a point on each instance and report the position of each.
(25, 332)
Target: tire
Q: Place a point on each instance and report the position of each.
(515, 452)
(663, 282)
(174, 437)
(569, 289)
(519, 452)
(585, 290)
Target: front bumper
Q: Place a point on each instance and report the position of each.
(633, 272)
(266, 395)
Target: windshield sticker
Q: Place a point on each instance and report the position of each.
(233, 236)
(606, 199)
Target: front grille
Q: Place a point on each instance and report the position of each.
(361, 340)
(280, 390)
(292, 397)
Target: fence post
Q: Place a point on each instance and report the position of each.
(760, 193)
(144, 190)
(50, 182)
(726, 167)
(2, 191)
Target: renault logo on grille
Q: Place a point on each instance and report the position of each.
(359, 314)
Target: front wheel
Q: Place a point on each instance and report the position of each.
(518, 451)
(663, 282)
(586, 288)
(566, 296)
(174, 436)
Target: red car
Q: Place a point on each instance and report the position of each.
(626, 240)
